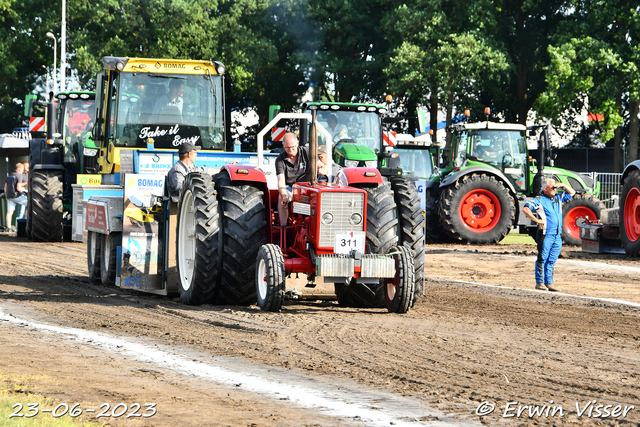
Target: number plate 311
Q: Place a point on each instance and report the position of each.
(348, 241)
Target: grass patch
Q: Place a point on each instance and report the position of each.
(518, 239)
(14, 391)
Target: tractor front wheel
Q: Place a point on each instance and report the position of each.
(581, 206)
(399, 291)
(109, 257)
(630, 214)
(270, 278)
(197, 234)
(477, 209)
(93, 256)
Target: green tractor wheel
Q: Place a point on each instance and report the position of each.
(477, 209)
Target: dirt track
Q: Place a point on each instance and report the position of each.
(462, 344)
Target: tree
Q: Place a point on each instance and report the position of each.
(351, 48)
(24, 51)
(598, 68)
(447, 57)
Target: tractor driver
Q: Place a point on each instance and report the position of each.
(291, 166)
(338, 131)
(173, 99)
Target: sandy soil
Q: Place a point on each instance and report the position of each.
(461, 345)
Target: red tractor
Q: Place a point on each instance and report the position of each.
(231, 249)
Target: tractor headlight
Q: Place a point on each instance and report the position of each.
(327, 218)
(90, 152)
(355, 218)
(351, 163)
(371, 163)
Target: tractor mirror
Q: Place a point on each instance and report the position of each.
(29, 103)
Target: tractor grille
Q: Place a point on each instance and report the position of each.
(341, 206)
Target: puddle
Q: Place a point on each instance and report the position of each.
(328, 396)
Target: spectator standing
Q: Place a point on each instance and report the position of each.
(548, 206)
(14, 190)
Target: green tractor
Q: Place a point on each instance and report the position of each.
(358, 141)
(56, 160)
(477, 197)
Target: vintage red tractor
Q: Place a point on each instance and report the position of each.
(231, 249)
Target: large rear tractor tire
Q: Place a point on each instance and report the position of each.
(46, 206)
(399, 291)
(477, 209)
(630, 214)
(93, 256)
(244, 232)
(382, 236)
(197, 240)
(270, 278)
(411, 225)
(583, 206)
(109, 257)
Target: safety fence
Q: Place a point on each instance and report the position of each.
(610, 187)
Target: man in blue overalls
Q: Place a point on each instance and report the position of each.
(548, 206)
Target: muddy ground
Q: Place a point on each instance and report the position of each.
(462, 344)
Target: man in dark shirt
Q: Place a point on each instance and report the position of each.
(187, 153)
(291, 166)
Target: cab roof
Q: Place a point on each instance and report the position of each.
(494, 126)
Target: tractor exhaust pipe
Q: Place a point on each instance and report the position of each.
(313, 149)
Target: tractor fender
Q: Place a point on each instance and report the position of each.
(363, 176)
(245, 173)
(450, 179)
(635, 165)
(43, 156)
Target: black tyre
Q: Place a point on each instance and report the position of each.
(630, 214)
(382, 235)
(197, 240)
(411, 225)
(434, 230)
(243, 233)
(93, 256)
(46, 206)
(270, 278)
(581, 206)
(109, 257)
(399, 291)
(477, 209)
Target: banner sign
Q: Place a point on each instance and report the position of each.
(142, 232)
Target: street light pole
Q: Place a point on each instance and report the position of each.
(55, 59)
(63, 46)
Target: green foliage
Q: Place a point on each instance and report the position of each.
(595, 65)
(447, 52)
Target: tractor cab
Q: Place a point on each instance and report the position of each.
(356, 131)
(416, 157)
(75, 119)
(157, 104)
(501, 146)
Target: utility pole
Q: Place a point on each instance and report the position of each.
(63, 47)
